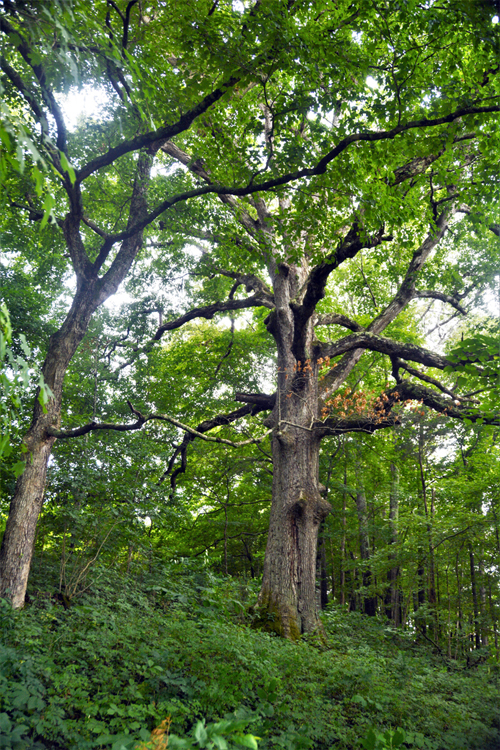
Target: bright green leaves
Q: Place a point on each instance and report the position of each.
(383, 740)
(15, 381)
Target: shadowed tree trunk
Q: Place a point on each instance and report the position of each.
(393, 596)
(321, 568)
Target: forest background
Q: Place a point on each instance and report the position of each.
(256, 180)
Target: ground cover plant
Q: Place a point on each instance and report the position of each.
(179, 644)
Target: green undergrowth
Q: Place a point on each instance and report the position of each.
(128, 654)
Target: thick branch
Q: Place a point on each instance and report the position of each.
(449, 299)
(399, 364)
(262, 400)
(161, 134)
(142, 419)
(405, 293)
(337, 426)
(368, 340)
(209, 311)
(407, 390)
(251, 188)
(316, 282)
(197, 168)
(334, 319)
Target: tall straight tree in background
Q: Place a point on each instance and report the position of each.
(352, 142)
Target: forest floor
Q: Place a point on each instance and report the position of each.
(177, 645)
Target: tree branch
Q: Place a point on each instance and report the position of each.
(220, 420)
(142, 419)
(320, 168)
(334, 319)
(208, 312)
(368, 340)
(450, 299)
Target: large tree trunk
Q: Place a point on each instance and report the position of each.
(287, 601)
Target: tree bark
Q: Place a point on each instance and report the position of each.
(393, 597)
(18, 541)
(287, 601)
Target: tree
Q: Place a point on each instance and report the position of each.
(323, 144)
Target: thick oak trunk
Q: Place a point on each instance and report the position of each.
(287, 602)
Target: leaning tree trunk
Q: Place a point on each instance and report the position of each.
(19, 537)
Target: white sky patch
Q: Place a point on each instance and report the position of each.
(371, 82)
(82, 103)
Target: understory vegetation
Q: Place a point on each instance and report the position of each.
(177, 642)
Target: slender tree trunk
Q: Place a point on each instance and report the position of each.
(343, 539)
(482, 597)
(321, 565)
(477, 631)
(18, 540)
(17, 544)
(369, 602)
(393, 598)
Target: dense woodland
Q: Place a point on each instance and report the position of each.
(249, 349)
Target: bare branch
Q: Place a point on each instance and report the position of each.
(368, 340)
(220, 420)
(142, 419)
(334, 319)
(209, 311)
(449, 299)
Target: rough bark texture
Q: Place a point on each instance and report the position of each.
(19, 537)
(287, 601)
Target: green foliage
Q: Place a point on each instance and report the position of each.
(134, 651)
(15, 379)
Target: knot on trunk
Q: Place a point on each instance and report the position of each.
(311, 502)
